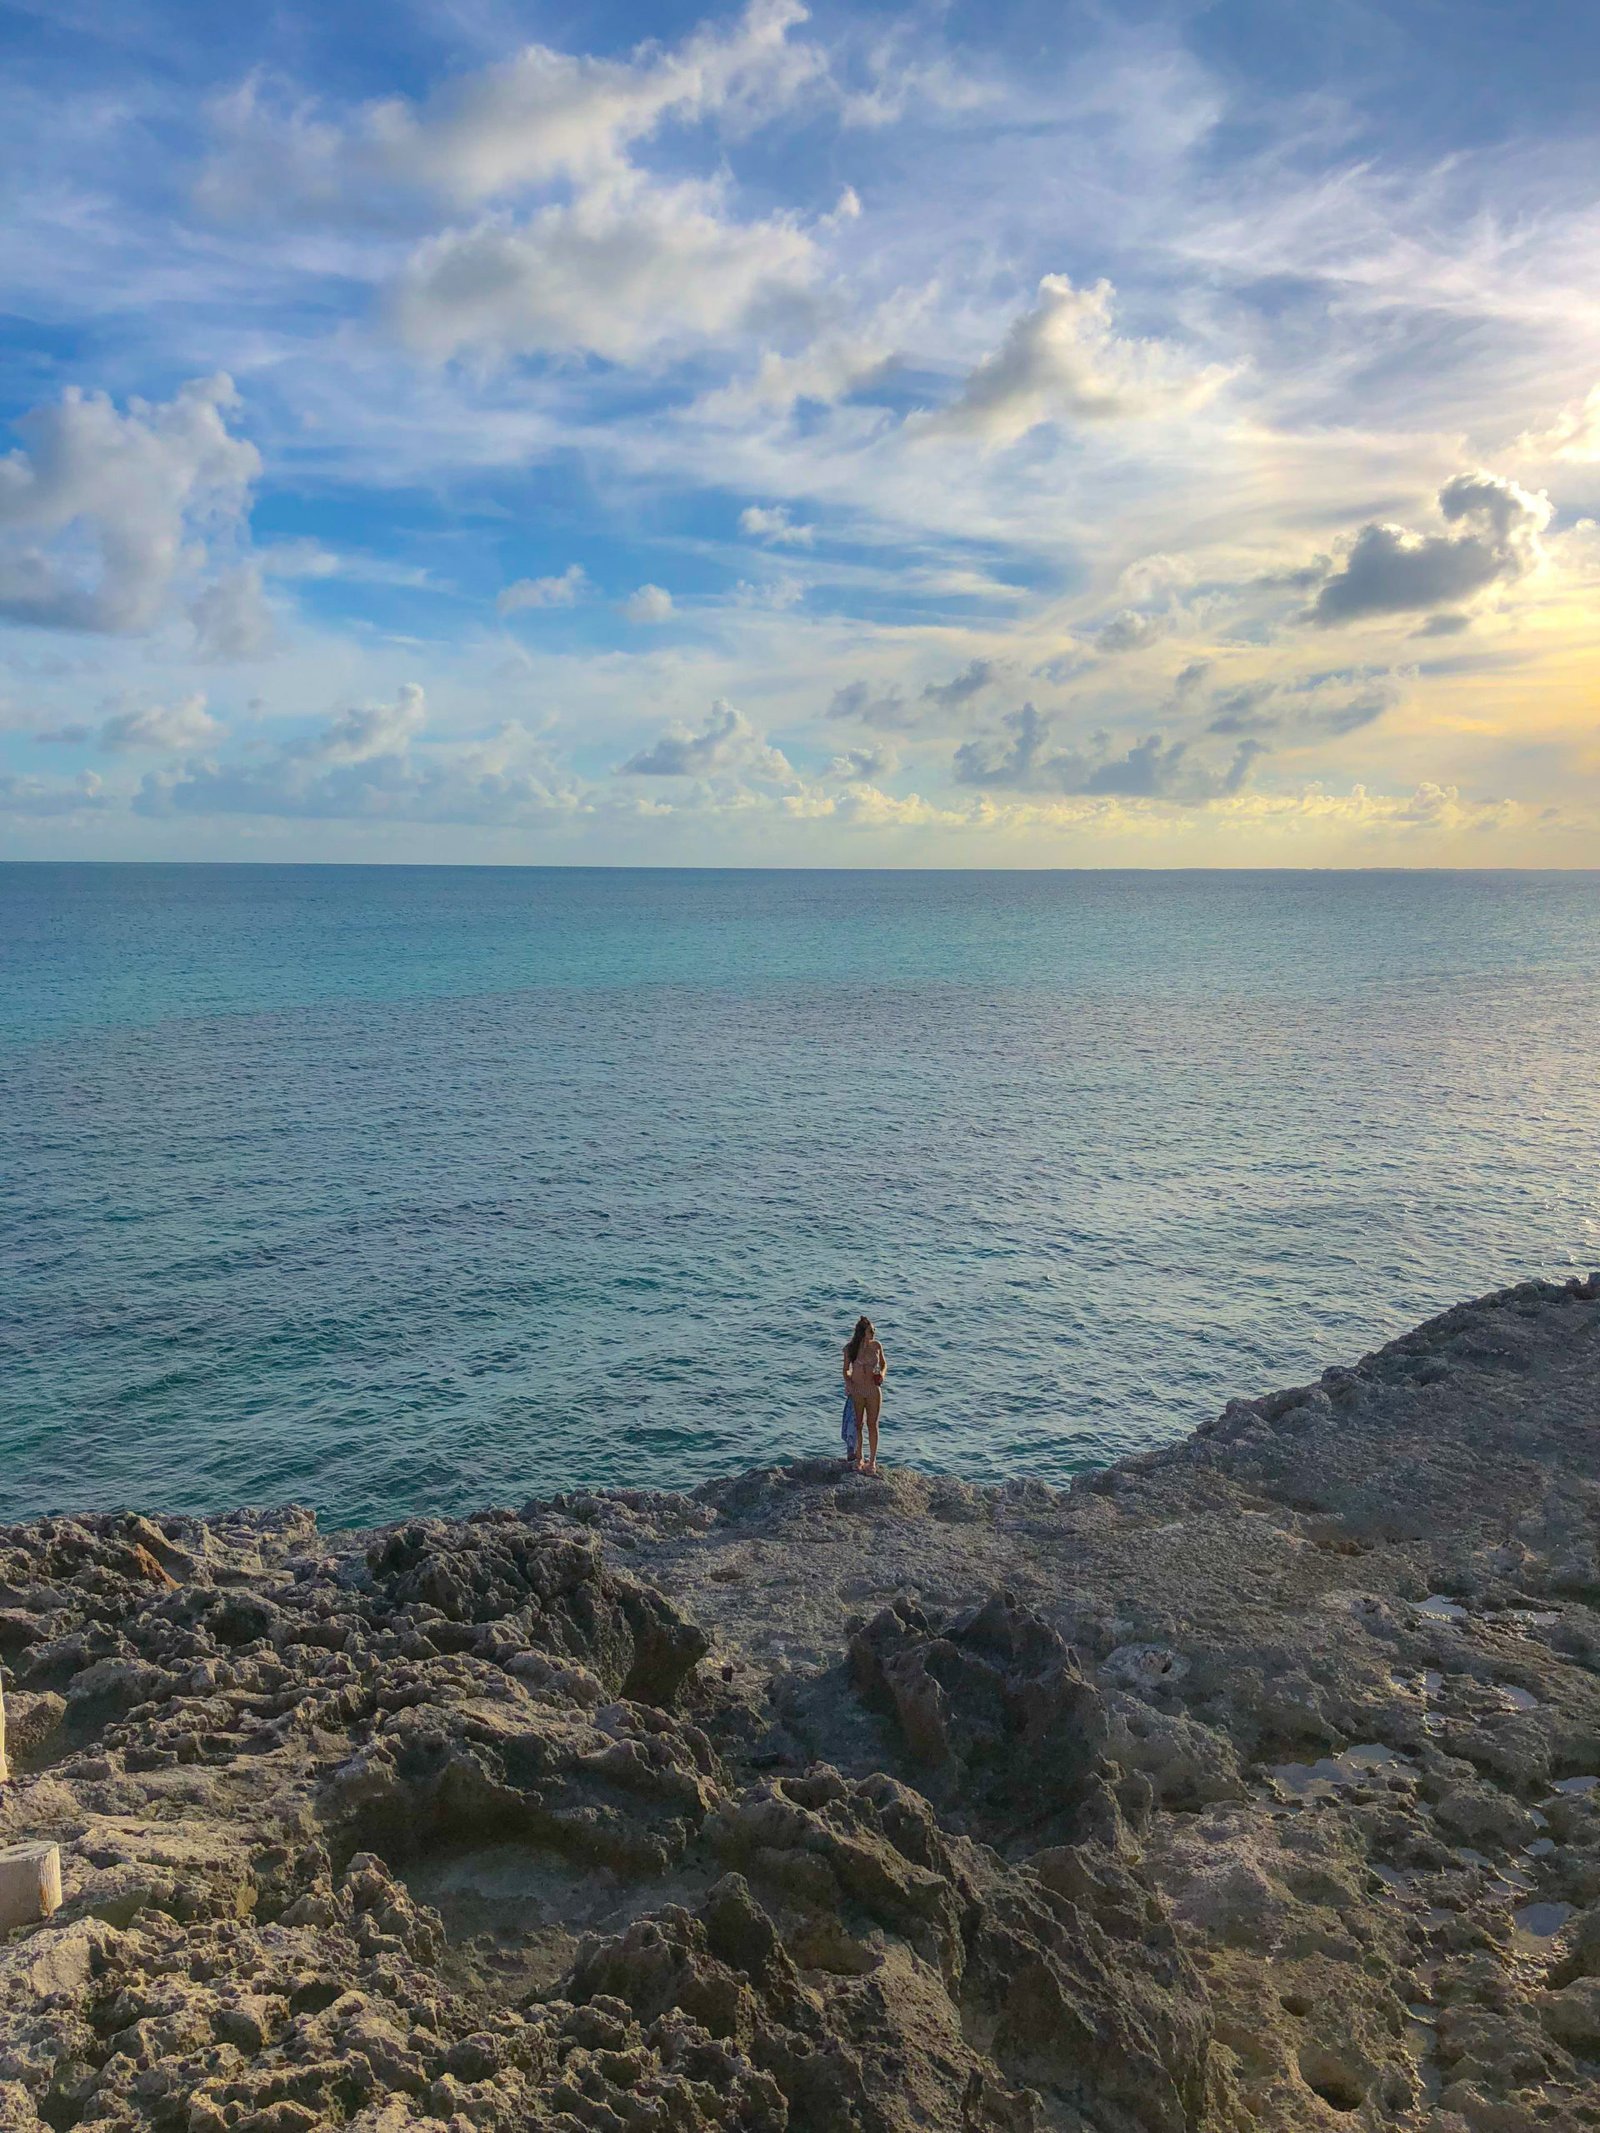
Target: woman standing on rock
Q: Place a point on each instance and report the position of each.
(865, 1366)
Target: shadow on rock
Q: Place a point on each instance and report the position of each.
(993, 1707)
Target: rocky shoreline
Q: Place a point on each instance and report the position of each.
(1249, 1783)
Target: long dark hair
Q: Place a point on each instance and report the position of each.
(865, 1330)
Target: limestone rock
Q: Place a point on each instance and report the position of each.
(993, 1704)
(790, 1803)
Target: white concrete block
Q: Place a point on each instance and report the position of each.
(30, 1883)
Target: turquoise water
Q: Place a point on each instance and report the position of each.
(400, 1189)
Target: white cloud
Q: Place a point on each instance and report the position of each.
(364, 766)
(726, 744)
(1389, 570)
(622, 271)
(304, 558)
(574, 248)
(772, 523)
(1372, 318)
(1310, 820)
(651, 603)
(859, 766)
(175, 730)
(47, 797)
(544, 114)
(1152, 576)
(309, 559)
(771, 595)
(102, 513)
(369, 730)
(530, 120)
(230, 616)
(564, 590)
(1573, 436)
(610, 261)
(1063, 361)
(829, 368)
(899, 81)
(1131, 630)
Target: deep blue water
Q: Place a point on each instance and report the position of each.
(400, 1189)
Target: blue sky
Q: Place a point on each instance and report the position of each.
(1019, 435)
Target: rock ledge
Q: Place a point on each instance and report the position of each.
(1254, 1782)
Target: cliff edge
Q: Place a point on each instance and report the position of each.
(1250, 1783)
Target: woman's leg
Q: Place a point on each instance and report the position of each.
(874, 1405)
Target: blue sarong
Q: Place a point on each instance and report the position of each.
(850, 1428)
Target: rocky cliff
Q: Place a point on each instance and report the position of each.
(1251, 1783)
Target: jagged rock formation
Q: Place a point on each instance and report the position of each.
(1255, 1782)
(994, 1706)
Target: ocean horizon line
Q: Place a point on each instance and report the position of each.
(576, 866)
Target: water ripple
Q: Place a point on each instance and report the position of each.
(418, 1189)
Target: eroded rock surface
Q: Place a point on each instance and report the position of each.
(995, 1708)
(1254, 1782)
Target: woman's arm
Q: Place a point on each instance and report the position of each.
(883, 1362)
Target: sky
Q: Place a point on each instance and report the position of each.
(1009, 435)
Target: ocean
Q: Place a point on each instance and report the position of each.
(398, 1190)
